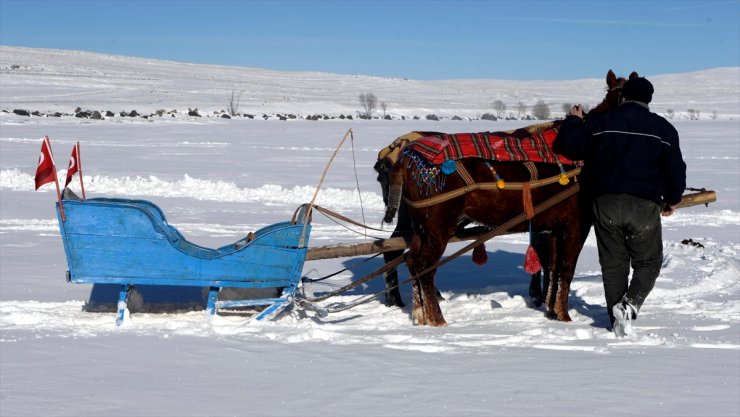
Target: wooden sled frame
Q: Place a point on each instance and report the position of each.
(129, 242)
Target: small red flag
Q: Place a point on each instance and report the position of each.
(45, 171)
(74, 164)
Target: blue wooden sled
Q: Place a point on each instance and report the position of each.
(128, 242)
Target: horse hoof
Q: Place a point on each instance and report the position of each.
(394, 302)
(537, 301)
(562, 316)
(418, 318)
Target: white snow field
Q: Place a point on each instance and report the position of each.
(217, 179)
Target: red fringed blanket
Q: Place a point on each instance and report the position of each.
(532, 143)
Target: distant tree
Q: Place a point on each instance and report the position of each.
(541, 110)
(521, 109)
(669, 113)
(500, 108)
(714, 115)
(692, 114)
(234, 102)
(368, 102)
(384, 107)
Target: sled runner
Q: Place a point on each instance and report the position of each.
(129, 242)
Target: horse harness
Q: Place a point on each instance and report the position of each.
(496, 231)
(526, 186)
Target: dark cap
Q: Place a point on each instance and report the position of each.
(638, 89)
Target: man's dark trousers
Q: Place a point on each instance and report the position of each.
(628, 231)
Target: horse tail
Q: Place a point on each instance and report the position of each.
(395, 192)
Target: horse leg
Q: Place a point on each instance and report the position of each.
(430, 253)
(422, 255)
(432, 311)
(546, 279)
(392, 292)
(570, 247)
(535, 289)
(540, 281)
(403, 229)
(553, 277)
(417, 310)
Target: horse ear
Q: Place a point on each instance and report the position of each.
(611, 78)
(634, 75)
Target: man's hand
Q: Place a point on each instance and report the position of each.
(576, 110)
(668, 210)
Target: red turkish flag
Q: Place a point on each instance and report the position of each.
(45, 171)
(74, 164)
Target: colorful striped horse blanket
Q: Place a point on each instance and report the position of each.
(531, 143)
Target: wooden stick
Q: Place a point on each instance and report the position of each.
(56, 180)
(302, 242)
(398, 243)
(694, 199)
(79, 169)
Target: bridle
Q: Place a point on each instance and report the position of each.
(616, 88)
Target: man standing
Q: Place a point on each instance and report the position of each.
(633, 169)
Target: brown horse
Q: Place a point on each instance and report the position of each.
(435, 219)
(387, 157)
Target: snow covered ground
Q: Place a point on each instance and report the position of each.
(217, 179)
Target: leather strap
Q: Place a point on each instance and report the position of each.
(488, 186)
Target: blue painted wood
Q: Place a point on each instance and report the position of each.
(129, 242)
(122, 304)
(212, 299)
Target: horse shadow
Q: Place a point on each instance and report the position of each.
(503, 273)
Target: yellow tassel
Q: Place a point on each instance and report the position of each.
(564, 180)
(500, 184)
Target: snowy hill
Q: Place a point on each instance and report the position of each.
(48, 80)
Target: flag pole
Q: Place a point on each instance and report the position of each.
(56, 179)
(79, 164)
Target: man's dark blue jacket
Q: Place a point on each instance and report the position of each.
(626, 151)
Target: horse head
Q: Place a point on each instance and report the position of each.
(614, 86)
(383, 167)
(388, 156)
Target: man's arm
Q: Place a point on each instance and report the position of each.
(572, 137)
(674, 173)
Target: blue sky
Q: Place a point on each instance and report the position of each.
(425, 40)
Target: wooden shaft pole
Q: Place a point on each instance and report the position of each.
(398, 243)
(695, 199)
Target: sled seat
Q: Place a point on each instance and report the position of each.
(129, 242)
